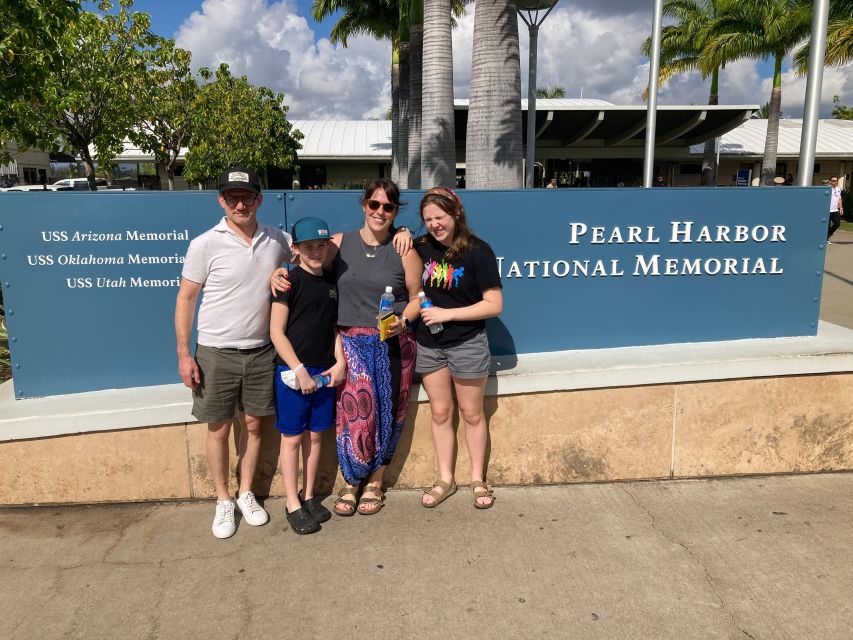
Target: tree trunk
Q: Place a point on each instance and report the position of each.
(415, 88)
(89, 164)
(771, 141)
(402, 150)
(438, 152)
(403, 135)
(709, 157)
(395, 111)
(493, 149)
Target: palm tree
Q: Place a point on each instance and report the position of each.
(438, 157)
(401, 149)
(839, 38)
(381, 20)
(681, 48)
(758, 29)
(493, 148)
(550, 92)
(416, 49)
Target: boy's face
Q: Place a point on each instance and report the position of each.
(313, 252)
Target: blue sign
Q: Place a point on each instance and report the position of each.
(89, 280)
(743, 177)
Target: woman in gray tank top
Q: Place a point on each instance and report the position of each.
(373, 402)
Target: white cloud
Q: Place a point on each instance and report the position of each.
(274, 46)
(593, 45)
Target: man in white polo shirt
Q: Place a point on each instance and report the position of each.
(234, 363)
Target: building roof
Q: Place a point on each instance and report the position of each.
(344, 139)
(834, 139)
(568, 122)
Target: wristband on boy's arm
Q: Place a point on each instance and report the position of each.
(299, 367)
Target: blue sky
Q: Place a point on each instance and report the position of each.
(168, 15)
(588, 45)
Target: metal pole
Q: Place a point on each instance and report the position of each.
(651, 109)
(531, 107)
(811, 111)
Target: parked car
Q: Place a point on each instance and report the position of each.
(80, 184)
(37, 187)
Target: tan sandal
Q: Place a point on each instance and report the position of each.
(373, 497)
(343, 506)
(447, 490)
(481, 490)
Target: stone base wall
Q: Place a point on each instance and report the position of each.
(753, 426)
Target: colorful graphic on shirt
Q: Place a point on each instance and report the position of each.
(442, 275)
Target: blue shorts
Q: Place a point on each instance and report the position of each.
(295, 412)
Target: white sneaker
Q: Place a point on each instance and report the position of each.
(829, 242)
(223, 521)
(253, 513)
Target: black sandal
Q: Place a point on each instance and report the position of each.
(302, 522)
(315, 508)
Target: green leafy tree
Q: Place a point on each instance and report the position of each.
(758, 29)
(166, 99)
(841, 111)
(89, 101)
(839, 38)
(30, 33)
(235, 122)
(550, 92)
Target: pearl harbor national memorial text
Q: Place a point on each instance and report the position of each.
(89, 280)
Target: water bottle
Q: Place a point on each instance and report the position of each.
(321, 380)
(386, 302)
(426, 303)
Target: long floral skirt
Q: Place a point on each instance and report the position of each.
(373, 402)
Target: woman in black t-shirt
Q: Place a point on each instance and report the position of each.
(462, 281)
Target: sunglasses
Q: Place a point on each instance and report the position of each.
(248, 201)
(387, 207)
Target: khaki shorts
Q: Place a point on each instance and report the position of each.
(469, 360)
(234, 380)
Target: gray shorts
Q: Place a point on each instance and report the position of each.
(469, 360)
(234, 379)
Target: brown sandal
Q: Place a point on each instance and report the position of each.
(343, 506)
(447, 490)
(481, 490)
(372, 495)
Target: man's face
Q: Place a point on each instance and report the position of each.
(240, 206)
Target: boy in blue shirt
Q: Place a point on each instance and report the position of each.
(303, 328)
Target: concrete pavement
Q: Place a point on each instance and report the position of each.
(836, 304)
(763, 558)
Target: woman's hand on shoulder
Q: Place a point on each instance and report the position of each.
(402, 241)
(279, 281)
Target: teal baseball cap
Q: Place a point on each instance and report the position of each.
(307, 229)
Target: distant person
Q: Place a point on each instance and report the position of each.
(789, 180)
(234, 362)
(836, 207)
(659, 182)
(303, 328)
(460, 182)
(552, 184)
